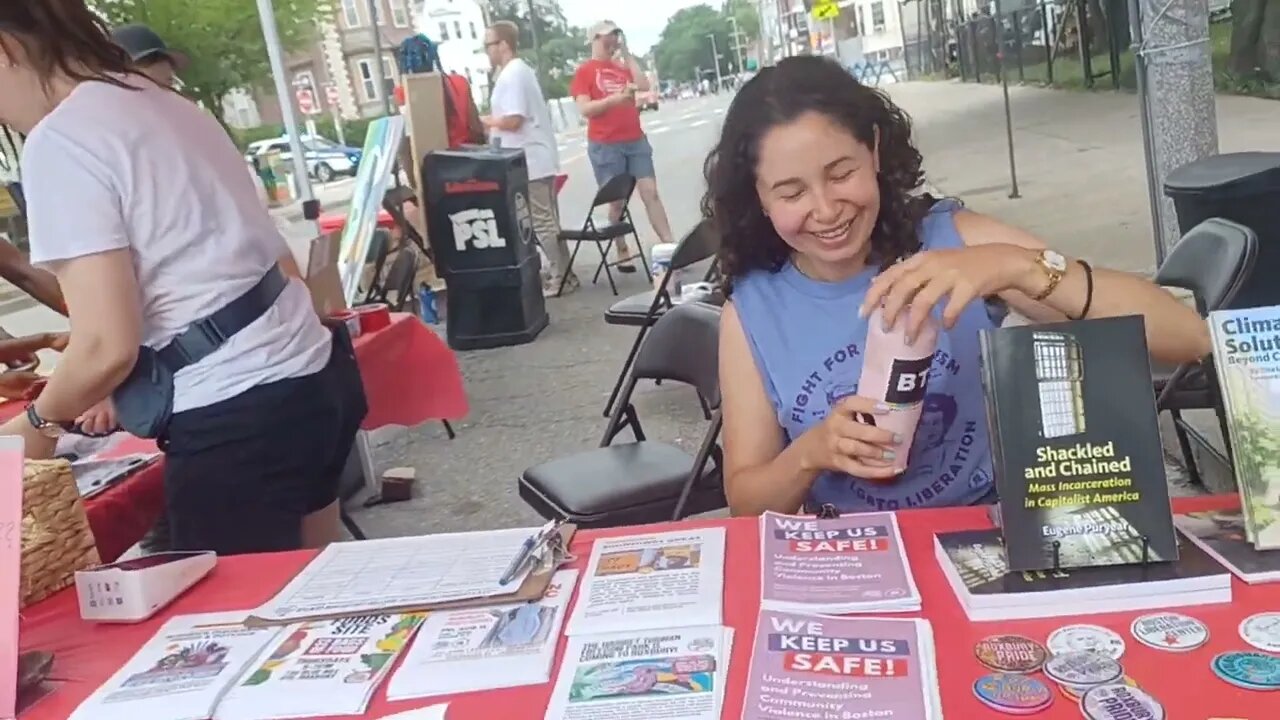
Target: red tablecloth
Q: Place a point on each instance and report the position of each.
(88, 654)
(410, 377)
(336, 221)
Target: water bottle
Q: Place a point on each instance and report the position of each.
(660, 263)
(427, 305)
(897, 374)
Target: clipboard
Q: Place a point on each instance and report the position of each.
(533, 588)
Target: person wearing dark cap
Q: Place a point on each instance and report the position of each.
(149, 53)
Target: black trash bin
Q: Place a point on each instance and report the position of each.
(1242, 187)
(481, 234)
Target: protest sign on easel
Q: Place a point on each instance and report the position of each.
(10, 570)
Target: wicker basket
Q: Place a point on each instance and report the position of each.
(56, 539)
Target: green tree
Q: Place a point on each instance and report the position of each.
(747, 17)
(223, 38)
(685, 45)
(560, 46)
(1255, 39)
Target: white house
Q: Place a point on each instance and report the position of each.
(457, 26)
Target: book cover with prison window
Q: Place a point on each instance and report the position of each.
(1076, 445)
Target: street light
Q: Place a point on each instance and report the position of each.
(715, 58)
(737, 42)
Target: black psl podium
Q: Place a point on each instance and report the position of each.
(481, 233)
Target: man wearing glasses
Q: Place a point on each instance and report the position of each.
(604, 89)
(519, 118)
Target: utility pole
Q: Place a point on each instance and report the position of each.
(537, 43)
(1176, 98)
(715, 58)
(737, 43)
(379, 73)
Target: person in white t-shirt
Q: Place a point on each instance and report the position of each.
(519, 118)
(141, 206)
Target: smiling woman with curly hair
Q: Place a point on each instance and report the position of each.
(815, 190)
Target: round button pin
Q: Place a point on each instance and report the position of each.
(1120, 702)
(1087, 638)
(1170, 631)
(1248, 670)
(1012, 693)
(1074, 693)
(1082, 669)
(1010, 653)
(1262, 631)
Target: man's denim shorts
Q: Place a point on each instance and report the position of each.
(612, 159)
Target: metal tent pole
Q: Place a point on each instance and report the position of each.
(1137, 32)
(275, 55)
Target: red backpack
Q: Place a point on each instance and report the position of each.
(462, 121)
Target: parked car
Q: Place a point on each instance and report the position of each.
(325, 158)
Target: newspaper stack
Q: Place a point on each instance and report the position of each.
(320, 668)
(837, 566)
(486, 648)
(199, 667)
(181, 673)
(648, 582)
(675, 674)
(823, 666)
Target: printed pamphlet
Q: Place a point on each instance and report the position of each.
(486, 648)
(182, 672)
(329, 667)
(850, 564)
(644, 582)
(1246, 352)
(676, 674)
(818, 666)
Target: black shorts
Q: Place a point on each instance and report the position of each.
(241, 474)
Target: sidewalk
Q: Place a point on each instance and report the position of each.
(1079, 155)
(1081, 173)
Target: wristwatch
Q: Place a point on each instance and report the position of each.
(48, 428)
(1055, 267)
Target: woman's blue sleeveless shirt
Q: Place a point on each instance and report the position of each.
(807, 340)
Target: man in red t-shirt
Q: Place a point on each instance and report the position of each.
(604, 88)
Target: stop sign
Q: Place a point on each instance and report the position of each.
(331, 94)
(307, 101)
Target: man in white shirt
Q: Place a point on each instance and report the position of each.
(519, 118)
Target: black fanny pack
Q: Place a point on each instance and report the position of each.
(144, 401)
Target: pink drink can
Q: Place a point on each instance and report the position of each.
(897, 374)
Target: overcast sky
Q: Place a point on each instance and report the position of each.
(642, 20)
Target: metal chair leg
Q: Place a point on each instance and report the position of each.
(568, 270)
(448, 429)
(351, 525)
(1184, 444)
(626, 368)
(644, 261)
(706, 410)
(604, 264)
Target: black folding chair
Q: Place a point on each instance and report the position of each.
(616, 190)
(644, 481)
(1213, 261)
(393, 201)
(396, 289)
(379, 249)
(644, 309)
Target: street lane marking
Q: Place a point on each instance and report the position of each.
(658, 130)
(697, 123)
(718, 111)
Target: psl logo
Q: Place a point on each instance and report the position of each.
(477, 228)
(524, 218)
